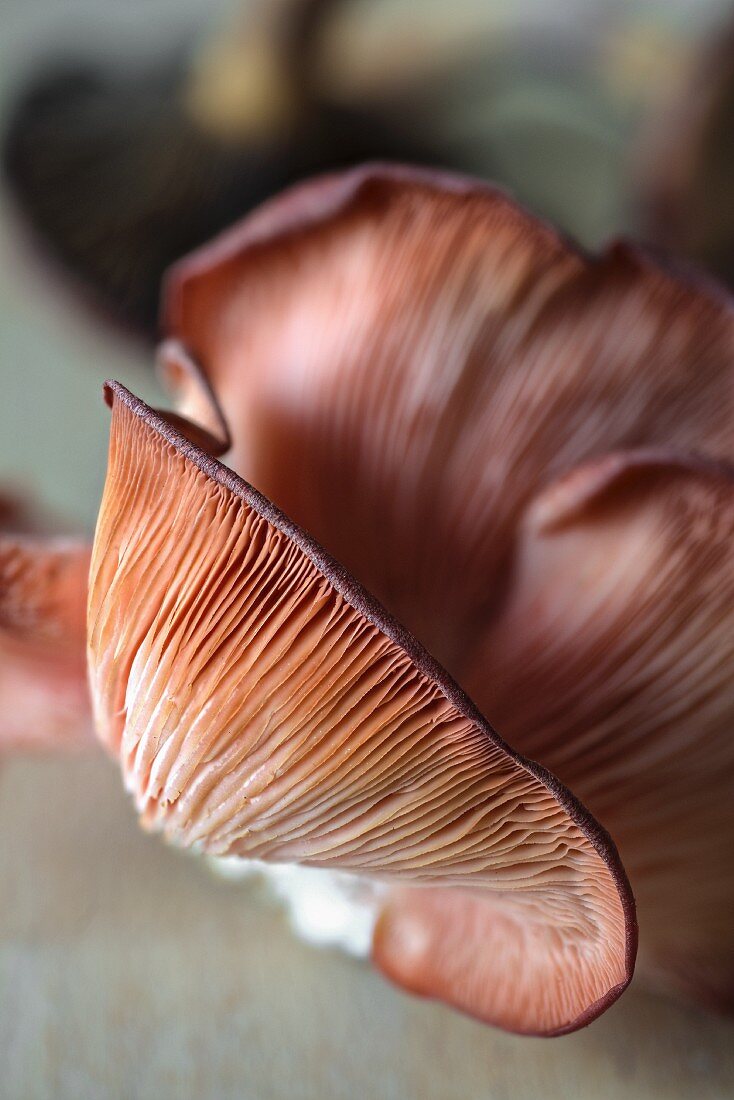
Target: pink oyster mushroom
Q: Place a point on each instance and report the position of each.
(522, 453)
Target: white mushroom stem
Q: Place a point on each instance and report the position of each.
(324, 908)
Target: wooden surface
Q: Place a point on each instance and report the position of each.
(127, 970)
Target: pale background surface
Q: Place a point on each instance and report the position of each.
(126, 969)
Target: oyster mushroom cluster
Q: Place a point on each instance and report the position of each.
(466, 462)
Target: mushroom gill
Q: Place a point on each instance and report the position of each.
(263, 704)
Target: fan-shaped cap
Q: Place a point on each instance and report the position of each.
(44, 700)
(262, 703)
(406, 358)
(409, 360)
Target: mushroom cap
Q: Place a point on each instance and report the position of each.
(407, 357)
(44, 699)
(263, 704)
(410, 363)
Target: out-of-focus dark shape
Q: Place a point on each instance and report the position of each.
(119, 173)
(121, 168)
(686, 174)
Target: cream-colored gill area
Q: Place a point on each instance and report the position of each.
(256, 710)
(405, 360)
(44, 701)
(613, 663)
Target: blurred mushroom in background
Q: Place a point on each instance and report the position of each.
(44, 700)
(123, 160)
(685, 170)
(121, 166)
